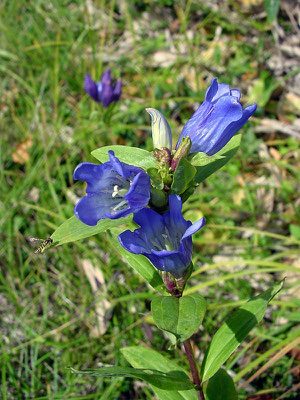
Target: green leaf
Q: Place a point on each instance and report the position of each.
(156, 178)
(181, 317)
(218, 160)
(272, 8)
(142, 357)
(129, 155)
(73, 229)
(183, 176)
(170, 380)
(221, 387)
(202, 159)
(295, 231)
(140, 264)
(234, 331)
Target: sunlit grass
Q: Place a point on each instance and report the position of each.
(46, 303)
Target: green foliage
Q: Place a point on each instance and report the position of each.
(142, 357)
(156, 179)
(234, 331)
(272, 8)
(183, 176)
(221, 387)
(179, 316)
(159, 198)
(202, 159)
(129, 155)
(208, 165)
(73, 229)
(262, 89)
(171, 380)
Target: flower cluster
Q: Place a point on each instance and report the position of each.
(105, 91)
(115, 189)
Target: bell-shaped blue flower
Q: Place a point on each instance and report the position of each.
(166, 240)
(105, 91)
(217, 119)
(114, 190)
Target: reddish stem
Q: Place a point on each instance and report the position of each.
(194, 369)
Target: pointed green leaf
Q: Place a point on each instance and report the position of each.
(218, 160)
(170, 380)
(221, 387)
(142, 357)
(140, 264)
(73, 229)
(183, 176)
(129, 155)
(272, 8)
(181, 317)
(234, 331)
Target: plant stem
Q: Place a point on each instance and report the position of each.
(194, 369)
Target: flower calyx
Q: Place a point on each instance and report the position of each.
(176, 286)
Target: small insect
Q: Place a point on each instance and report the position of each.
(43, 246)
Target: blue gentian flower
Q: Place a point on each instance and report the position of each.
(104, 91)
(218, 118)
(114, 190)
(166, 240)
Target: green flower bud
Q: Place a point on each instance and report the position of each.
(158, 198)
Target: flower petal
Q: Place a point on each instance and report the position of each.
(98, 177)
(174, 220)
(133, 242)
(174, 262)
(106, 94)
(223, 89)
(194, 228)
(116, 163)
(235, 93)
(90, 87)
(212, 90)
(106, 78)
(138, 195)
(90, 209)
(117, 90)
(151, 223)
(232, 128)
(209, 130)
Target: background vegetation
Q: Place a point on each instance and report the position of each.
(78, 304)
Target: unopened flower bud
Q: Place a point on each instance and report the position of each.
(182, 151)
(161, 131)
(158, 197)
